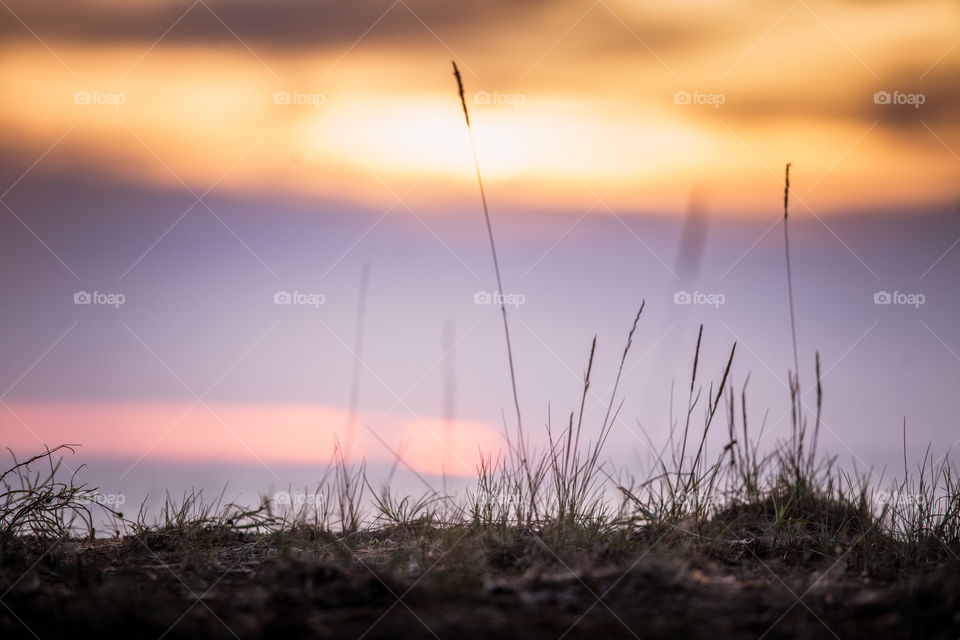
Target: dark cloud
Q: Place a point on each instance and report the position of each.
(288, 23)
(891, 100)
(297, 24)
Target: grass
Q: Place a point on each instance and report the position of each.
(493, 253)
(787, 501)
(37, 503)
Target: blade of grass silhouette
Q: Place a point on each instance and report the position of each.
(449, 394)
(357, 350)
(786, 246)
(623, 359)
(693, 237)
(496, 262)
(794, 381)
(816, 430)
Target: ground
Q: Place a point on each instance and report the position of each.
(232, 584)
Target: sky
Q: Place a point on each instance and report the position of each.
(192, 193)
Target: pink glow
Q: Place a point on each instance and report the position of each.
(256, 433)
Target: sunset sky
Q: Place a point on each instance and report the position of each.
(198, 158)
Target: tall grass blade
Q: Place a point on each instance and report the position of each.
(496, 262)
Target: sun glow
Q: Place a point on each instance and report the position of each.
(578, 124)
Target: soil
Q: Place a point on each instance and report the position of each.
(240, 589)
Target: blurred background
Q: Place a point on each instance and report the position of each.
(226, 224)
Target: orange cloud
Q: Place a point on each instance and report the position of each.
(563, 112)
